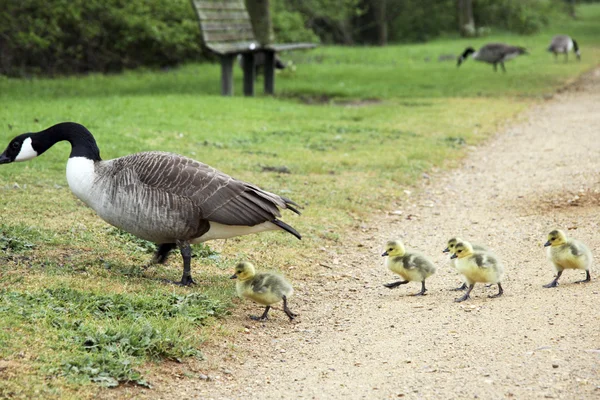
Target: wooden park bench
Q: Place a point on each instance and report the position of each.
(227, 31)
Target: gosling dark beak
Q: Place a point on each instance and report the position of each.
(453, 256)
(234, 276)
(4, 159)
(446, 250)
(385, 253)
(547, 244)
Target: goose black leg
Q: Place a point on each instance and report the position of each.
(286, 310)
(186, 253)
(554, 283)
(394, 284)
(162, 252)
(466, 296)
(463, 287)
(423, 290)
(502, 65)
(262, 317)
(587, 277)
(500, 291)
(495, 68)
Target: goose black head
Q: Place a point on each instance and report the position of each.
(464, 55)
(21, 148)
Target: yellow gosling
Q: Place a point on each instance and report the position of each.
(410, 266)
(477, 266)
(265, 288)
(566, 253)
(450, 249)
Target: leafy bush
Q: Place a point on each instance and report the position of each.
(74, 36)
(525, 17)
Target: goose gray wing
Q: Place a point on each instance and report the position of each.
(495, 52)
(217, 196)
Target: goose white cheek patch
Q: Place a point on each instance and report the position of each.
(27, 152)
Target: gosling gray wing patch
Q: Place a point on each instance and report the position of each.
(217, 196)
(575, 250)
(408, 261)
(260, 283)
(484, 260)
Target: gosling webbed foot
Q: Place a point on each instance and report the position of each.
(500, 292)
(263, 317)
(461, 299)
(588, 278)
(394, 284)
(423, 290)
(463, 287)
(552, 284)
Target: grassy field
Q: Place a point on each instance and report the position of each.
(354, 127)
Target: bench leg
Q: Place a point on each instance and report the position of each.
(269, 72)
(227, 74)
(249, 72)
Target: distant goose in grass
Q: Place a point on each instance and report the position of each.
(493, 53)
(566, 253)
(564, 44)
(164, 198)
(477, 266)
(450, 249)
(266, 288)
(409, 265)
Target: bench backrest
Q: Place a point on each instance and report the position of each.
(225, 25)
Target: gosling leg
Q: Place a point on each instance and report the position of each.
(463, 287)
(186, 254)
(500, 291)
(287, 311)
(554, 283)
(263, 317)
(423, 290)
(587, 277)
(394, 284)
(466, 296)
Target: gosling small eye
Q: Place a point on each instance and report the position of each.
(460, 251)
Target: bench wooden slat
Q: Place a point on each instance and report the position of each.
(232, 47)
(226, 26)
(219, 5)
(217, 37)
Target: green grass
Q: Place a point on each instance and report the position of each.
(77, 307)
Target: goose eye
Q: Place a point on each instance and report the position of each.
(15, 145)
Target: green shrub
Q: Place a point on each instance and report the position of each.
(75, 36)
(524, 17)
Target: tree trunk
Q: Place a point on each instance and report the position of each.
(571, 4)
(381, 21)
(466, 22)
(260, 16)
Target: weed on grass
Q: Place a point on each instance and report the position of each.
(104, 337)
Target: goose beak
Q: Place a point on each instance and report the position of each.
(453, 256)
(4, 159)
(234, 276)
(446, 250)
(385, 253)
(547, 244)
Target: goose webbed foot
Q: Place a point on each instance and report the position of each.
(554, 283)
(587, 278)
(463, 287)
(263, 317)
(466, 295)
(185, 281)
(287, 311)
(394, 284)
(500, 292)
(423, 290)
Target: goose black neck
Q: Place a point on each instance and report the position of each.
(82, 141)
(575, 47)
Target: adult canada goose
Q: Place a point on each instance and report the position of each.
(266, 288)
(493, 53)
(164, 198)
(409, 265)
(477, 266)
(566, 253)
(564, 44)
(450, 249)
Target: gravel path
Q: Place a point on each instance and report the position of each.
(356, 339)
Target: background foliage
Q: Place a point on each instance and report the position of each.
(77, 36)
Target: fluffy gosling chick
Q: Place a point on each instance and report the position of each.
(410, 266)
(567, 253)
(265, 288)
(477, 266)
(450, 249)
